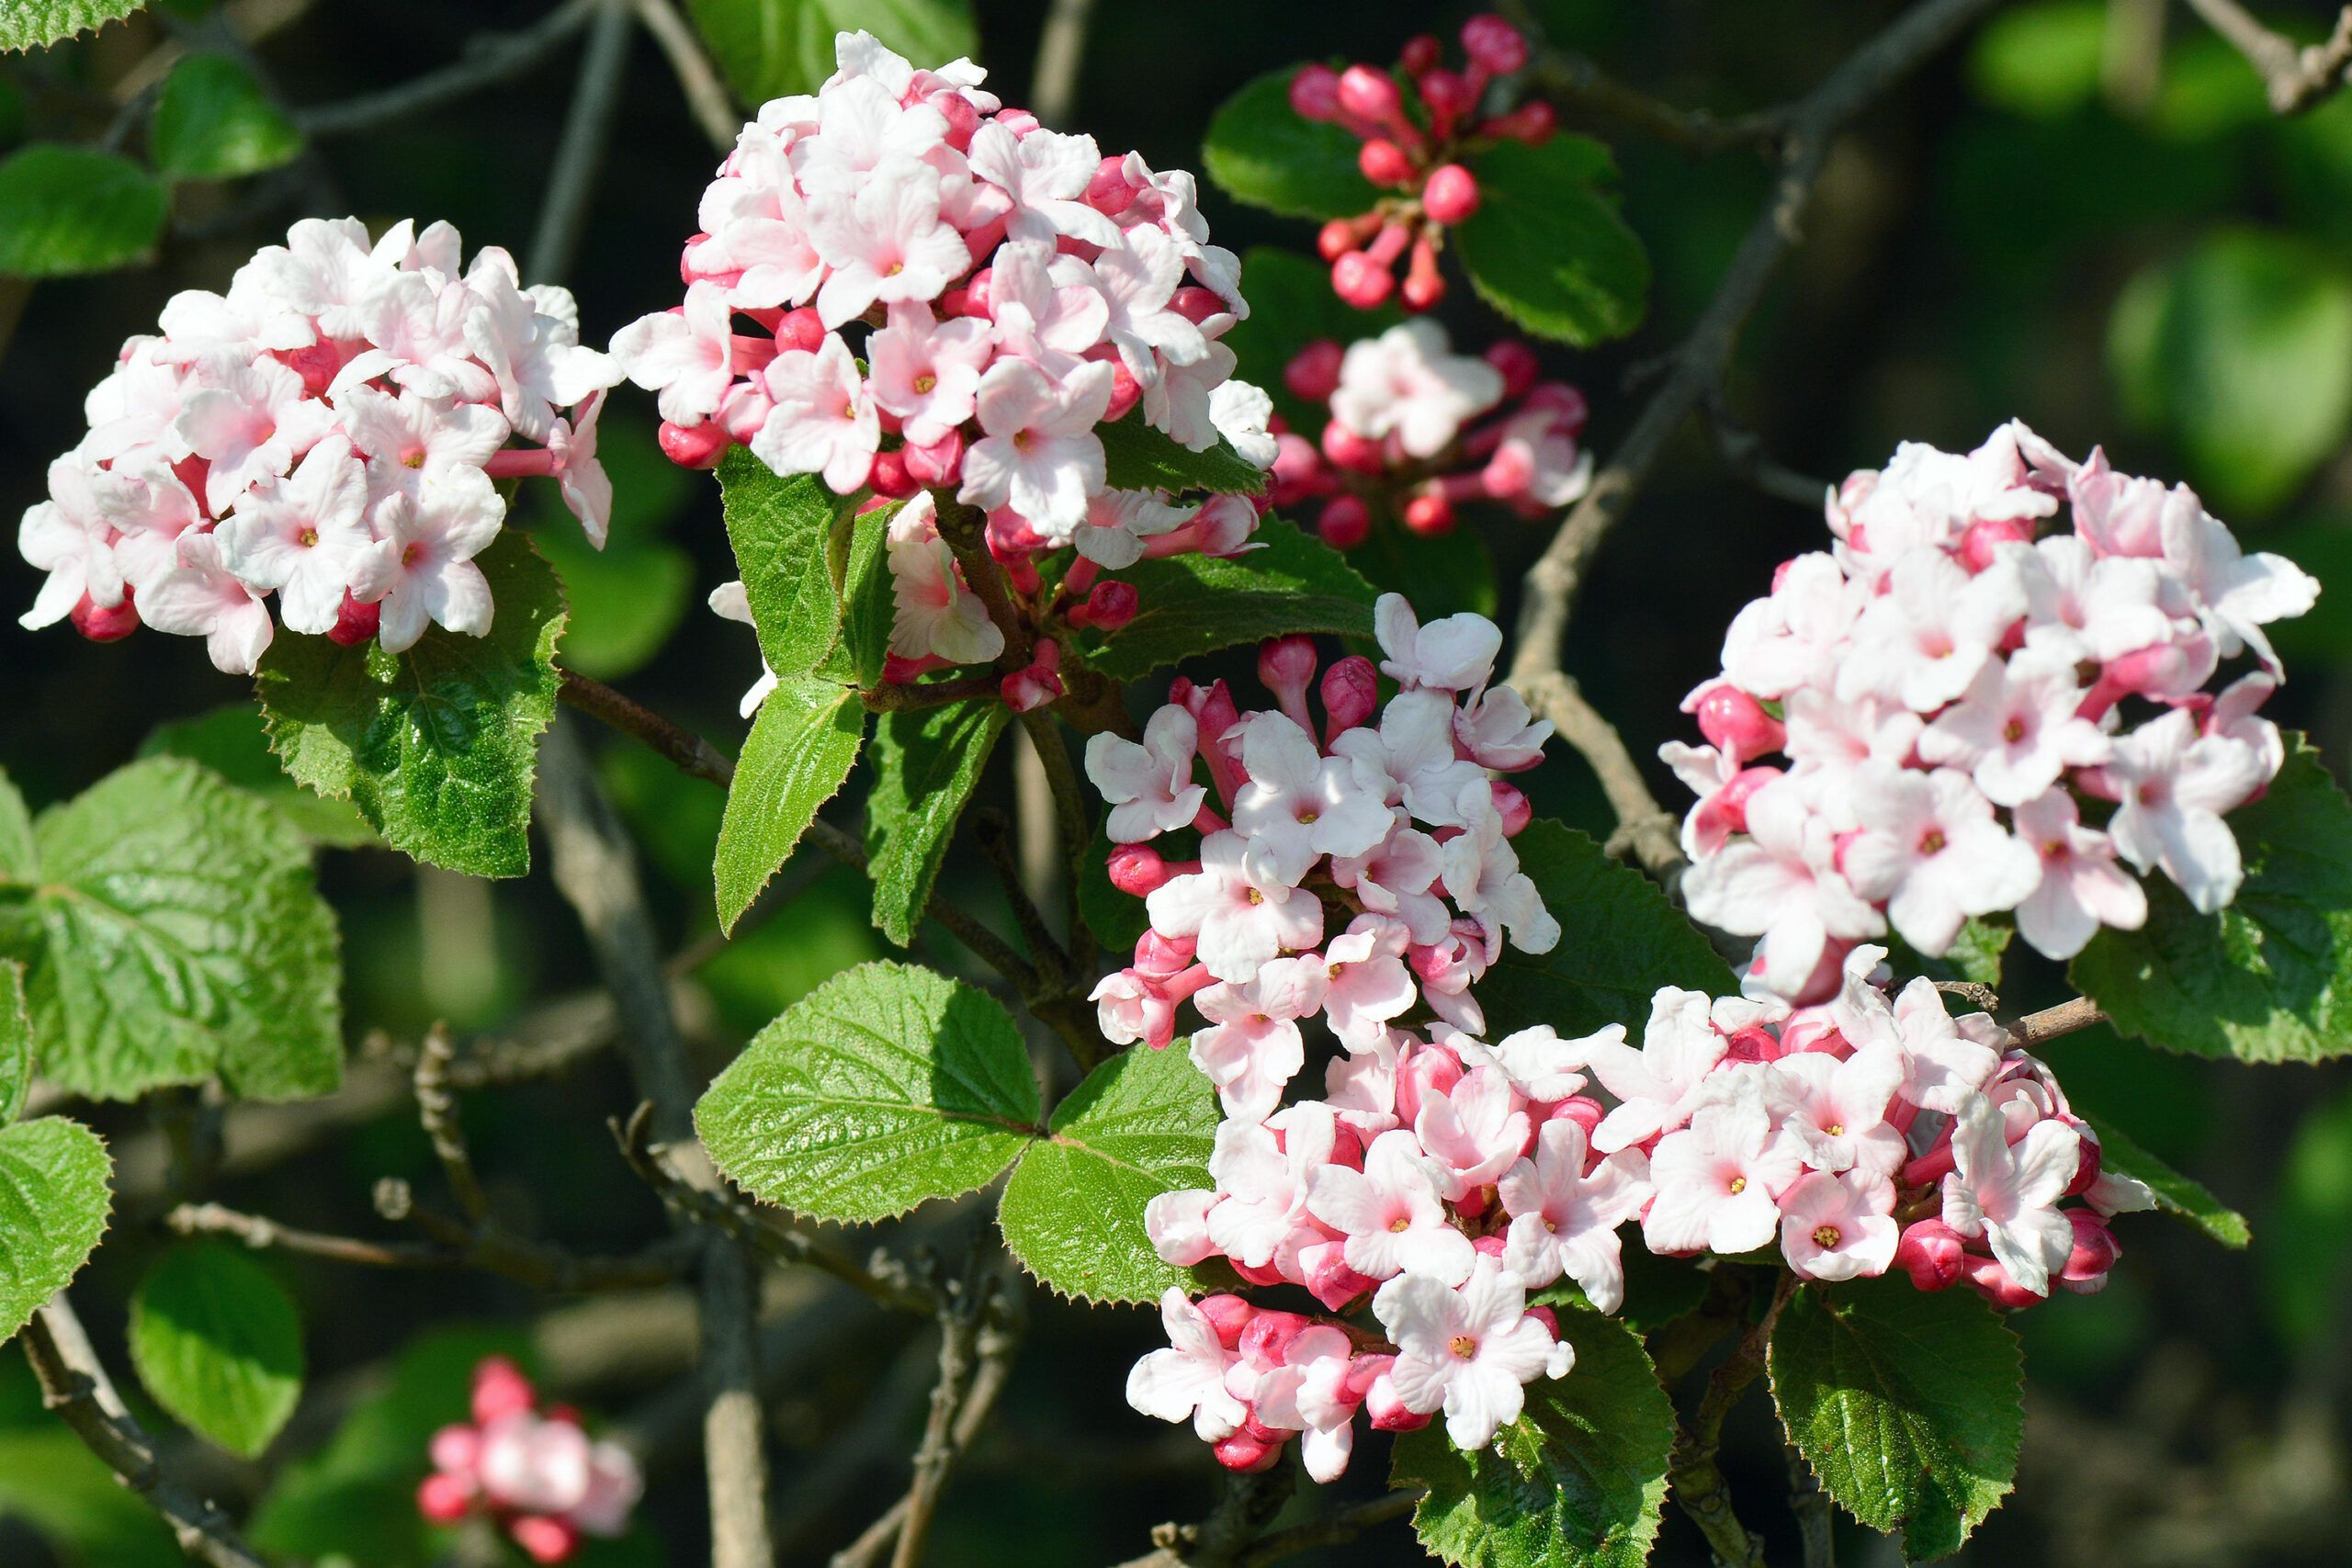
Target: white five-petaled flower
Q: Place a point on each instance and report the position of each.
(1150, 786)
(1717, 1178)
(304, 535)
(201, 597)
(823, 422)
(1456, 654)
(1565, 1219)
(1930, 847)
(1186, 1381)
(1300, 805)
(687, 354)
(2172, 785)
(1405, 383)
(1040, 455)
(422, 568)
(2082, 887)
(1241, 918)
(1838, 1226)
(2017, 729)
(1392, 1213)
(1469, 1351)
(2008, 1192)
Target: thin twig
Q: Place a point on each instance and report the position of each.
(1245, 1508)
(580, 152)
(1574, 82)
(1330, 1530)
(535, 1264)
(491, 58)
(1698, 1480)
(1061, 52)
(993, 832)
(2037, 1029)
(1816, 1517)
(1696, 367)
(1741, 451)
(706, 97)
(73, 1384)
(893, 697)
(1645, 828)
(437, 1109)
(959, 1341)
(2294, 77)
(1070, 821)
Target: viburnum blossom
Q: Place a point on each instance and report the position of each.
(1416, 431)
(1963, 710)
(327, 431)
(539, 1477)
(1010, 292)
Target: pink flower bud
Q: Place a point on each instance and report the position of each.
(2095, 1252)
(1485, 1245)
(1027, 690)
(1314, 93)
(1512, 802)
(1196, 304)
(1386, 1407)
(456, 1449)
(500, 1389)
(693, 446)
(1383, 162)
(1932, 1253)
(1362, 281)
(1998, 1285)
(1451, 194)
(1350, 692)
(1165, 956)
(1494, 43)
(1021, 122)
(961, 116)
(1516, 362)
(1313, 373)
(1245, 1452)
(1269, 1334)
(2087, 1164)
(1125, 392)
(444, 1499)
(1580, 1109)
(1346, 522)
(1736, 723)
(544, 1539)
(802, 329)
(1286, 665)
(1109, 192)
(1370, 93)
(1986, 535)
(937, 464)
(1346, 449)
(1533, 122)
(1136, 869)
(888, 477)
(1431, 515)
(1109, 608)
(1336, 239)
(107, 623)
(972, 299)
(1448, 96)
(1424, 284)
(1567, 405)
(1421, 52)
(1548, 1318)
(1228, 1315)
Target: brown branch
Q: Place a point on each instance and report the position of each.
(437, 1109)
(538, 1265)
(74, 1385)
(958, 1344)
(892, 698)
(1330, 1530)
(1696, 368)
(491, 58)
(1245, 1508)
(2294, 77)
(1645, 828)
(2037, 1029)
(707, 98)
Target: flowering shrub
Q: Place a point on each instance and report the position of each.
(1952, 687)
(1399, 1098)
(330, 430)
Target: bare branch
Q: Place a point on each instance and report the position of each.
(1643, 827)
(2037, 1029)
(1698, 1483)
(437, 1108)
(1061, 52)
(579, 153)
(706, 97)
(1330, 1530)
(74, 1384)
(535, 1264)
(491, 58)
(2294, 77)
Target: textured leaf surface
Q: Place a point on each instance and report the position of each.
(1906, 1403)
(219, 1343)
(869, 601)
(16, 1042)
(53, 1203)
(791, 539)
(33, 24)
(1578, 1480)
(926, 763)
(1620, 941)
(65, 210)
(886, 1086)
(214, 121)
(1261, 152)
(436, 746)
(1548, 246)
(802, 746)
(175, 934)
(1192, 604)
(1143, 1123)
(1137, 456)
(770, 48)
(2268, 979)
(233, 741)
(2178, 1194)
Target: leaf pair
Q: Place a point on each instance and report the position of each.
(890, 1086)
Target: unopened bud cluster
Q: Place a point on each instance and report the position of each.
(539, 1478)
(1979, 713)
(1412, 145)
(1416, 430)
(330, 430)
(945, 299)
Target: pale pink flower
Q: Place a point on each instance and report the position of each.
(1241, 412)
(325, 270)
(1392, 1213)
(1299, 804)
(1308, 1393)
(1839, 1227)
(2237, 594)
(1045, 172)
(1782, 883)
(1150, 786)
(823, 422)
(1266, 1182)
(728, 602)
(530, 340)
(2172, 786)
(2008, 1192)
(412, 439)
(927, 372)
(1045, 305)
(1252, 1047)
(1455, 654)
(304, 535)
(422, 568)
(1838, 1109)
(1240, 919)
(1794, 638)
(933, 614)
(1473, 1132)
(1943, 1064)
(2082, 605)
(1119, 522)
(1176, 1223)
(884, 241)
(1539, 1065)
(416, 333)
(1040, 455)
(1406, 383)
(2016, 728)
(1496, 730)
(687, 355)
(1469, 1351)
(1137, 279)
(1482, 873)
(249, 420)
(1922, 642)
(1717, 1179)
(201, 597)
(1657, 1086)
(2082, 889)
(1931, 849)
(580, 476)
(1186, 1381)
(1368, 983)
(69, 538)
(1394, 878)
(150, 509)
(1564, 1220)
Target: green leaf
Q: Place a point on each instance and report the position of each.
(2303, 1282)
(1192, 605)
(233, 741)
(1974, 958)
(2043, 61)
(927, 761)
(1292, 305)
(1576, 1481)
(1261, 152)
(771, 48)
(1620, 941)
(214, 121)
(1442, 575)
(2182, 1196)
(1137, 456)
(1905, 1402)
(177, 934)
(869, 601)
(802, 746)
(20, 857)
(219, 1343)
(35, 24)
(436, 746)
(2268, 978)
(53, 1203)
(16, 1042)
(791, 539)
(1143, 1123)
(2243, 351)
(66, 210)
(1548, 246)
(885, 1087)
(625, 599)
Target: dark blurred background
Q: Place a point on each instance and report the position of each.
(2085, 217)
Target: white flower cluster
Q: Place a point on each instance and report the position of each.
(1014, 290)
(1981, 714)
(328, 430)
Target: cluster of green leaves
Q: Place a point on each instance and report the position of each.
(68, 210)
(53, 1177)
(1548, 246)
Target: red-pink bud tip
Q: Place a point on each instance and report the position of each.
(1313, 373)
(354, 623)
(444, 1499)
(1362, 281)
(1383, 162)
(1345, 523)
(802, 329)
(1370, 93)
(1451, 194)
(1494, 44)
(1430, 515)
(1419, 53)
(695, 446)
(1314, 93)
(1518, 364)
(107, 623)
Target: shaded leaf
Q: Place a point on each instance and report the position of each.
(1137, 457)
(802, 746)
(1548, 246)
(53, 1206)
(791, 539)
(213, 121)
(233, 741)
(1261, 152)
(65, 210)
(771, 48)
(219, 1343)
(2182, 1196)
(33, 24)
(927, 761)
(1191, 604)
